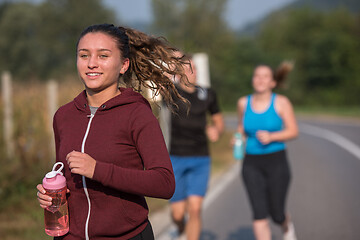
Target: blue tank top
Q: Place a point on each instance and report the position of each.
(268, 120)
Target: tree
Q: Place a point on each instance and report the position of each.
(18, 45)
(197, 26)
(39, 40)
(191, 25)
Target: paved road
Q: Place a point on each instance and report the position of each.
(324, 199)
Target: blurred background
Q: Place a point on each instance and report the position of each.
(37, 67)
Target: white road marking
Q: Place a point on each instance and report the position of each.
(332, 137)
(225, 180)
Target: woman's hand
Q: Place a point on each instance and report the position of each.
(212, 133)
(81, 163)
(264, 137)
(44, 200)
(216, 128)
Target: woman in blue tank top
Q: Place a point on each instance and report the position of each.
(267, 120)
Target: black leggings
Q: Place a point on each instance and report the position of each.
(146, 234)
(267, 179)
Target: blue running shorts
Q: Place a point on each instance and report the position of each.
(191, 176)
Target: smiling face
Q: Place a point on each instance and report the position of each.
(99, 62)
(262, 80)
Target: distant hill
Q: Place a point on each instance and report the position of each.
(326, 5)
(139, 25)
(321, 5)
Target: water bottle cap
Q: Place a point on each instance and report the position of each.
(55, 178)
(238, 135)
(53, 173)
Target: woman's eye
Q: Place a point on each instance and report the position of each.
(83, 55)
(103, 56)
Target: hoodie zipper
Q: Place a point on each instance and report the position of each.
(84, 180)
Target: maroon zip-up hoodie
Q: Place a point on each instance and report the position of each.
(132, 161)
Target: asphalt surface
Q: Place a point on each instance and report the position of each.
(324, 197)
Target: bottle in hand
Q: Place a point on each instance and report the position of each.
(238, 149)
(56, 216)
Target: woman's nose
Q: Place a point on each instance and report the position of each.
(92, 63)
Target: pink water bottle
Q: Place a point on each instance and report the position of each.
(56, 216)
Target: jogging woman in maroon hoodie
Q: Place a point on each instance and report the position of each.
(108, 138)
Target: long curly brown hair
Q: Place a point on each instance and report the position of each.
(154, 63)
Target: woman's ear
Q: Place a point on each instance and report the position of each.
(273, 84)
(125, 66)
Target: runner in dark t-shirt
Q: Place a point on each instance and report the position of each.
(191, 128)
(188, 131)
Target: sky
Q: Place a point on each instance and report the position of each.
(238, 12)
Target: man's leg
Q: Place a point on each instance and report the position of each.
(197, 183)
(178, 200)
(194, 224)
(178, 214)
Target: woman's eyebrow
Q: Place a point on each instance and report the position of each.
(100, 50)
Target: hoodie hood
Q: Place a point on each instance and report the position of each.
(127, 96)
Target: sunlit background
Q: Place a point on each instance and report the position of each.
(37, 55)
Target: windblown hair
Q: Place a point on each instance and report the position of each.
(281, 72)
(153, 62)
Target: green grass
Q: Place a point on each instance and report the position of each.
(23, 219)
(346, 111)
(20, 214)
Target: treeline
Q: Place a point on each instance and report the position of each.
(323, 43)
(38, 42)
(325, 47)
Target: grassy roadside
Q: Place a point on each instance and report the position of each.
(21, 218)
(329, 113)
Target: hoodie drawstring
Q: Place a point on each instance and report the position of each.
(84, 180)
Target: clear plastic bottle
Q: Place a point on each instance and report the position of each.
(56, 216)
(238, 150)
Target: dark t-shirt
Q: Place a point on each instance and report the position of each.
(188, 137)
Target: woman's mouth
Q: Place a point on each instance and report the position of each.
(93, 74)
